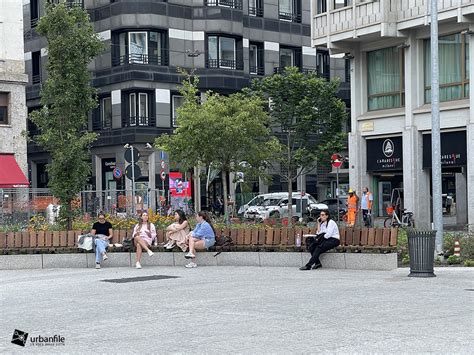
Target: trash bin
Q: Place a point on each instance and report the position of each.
(421, 247)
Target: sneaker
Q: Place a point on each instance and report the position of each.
(104, 257)
(189, 255)
(138, 265)
(97, 265)
(150, 253)
(170, 246)
(166, 245)
(191, 265)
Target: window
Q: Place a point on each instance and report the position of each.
(36, 67)
(342, 3)
(236, 4)
(290, 10)
(140, 47)
(453, 68)
(256, 8)
(106, 112)
(138, 110)
(222, 53)
(4, 100)
(256, 63)
(322, 63)
(321, 7)
(177, 102)
(385, 70)
(34, 13)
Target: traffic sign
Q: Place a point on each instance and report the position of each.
(128, 155)
(336, 156)
(163, 175)
(163, 164)
(117, 173)
(336, 163)
(137, 171)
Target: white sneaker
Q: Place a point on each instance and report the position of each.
(166, 245)
(191, 265)
(150, 252)
(138, 265)
(189, 255)
(104, 257)
(170, 246)
(97, 265)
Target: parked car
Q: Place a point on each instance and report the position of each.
(332, 206)
(276, 206)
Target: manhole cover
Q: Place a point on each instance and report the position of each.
(141, 278)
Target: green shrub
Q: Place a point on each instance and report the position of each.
(406, 260)
(469, 263)
(453, 259)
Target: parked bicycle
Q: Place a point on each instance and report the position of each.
(393, 220)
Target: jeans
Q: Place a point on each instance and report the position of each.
(317, 249)
(100, 247)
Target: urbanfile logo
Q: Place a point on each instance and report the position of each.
(56, 340)
(387, 148)
(19, 337)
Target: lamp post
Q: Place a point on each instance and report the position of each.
(131, 160)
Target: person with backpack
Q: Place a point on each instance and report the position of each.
(329, 239)
(202, 237)
(144, 234)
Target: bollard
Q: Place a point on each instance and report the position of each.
(457, 248)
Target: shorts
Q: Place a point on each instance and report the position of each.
(209, 242)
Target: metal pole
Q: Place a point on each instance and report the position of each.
(337, 195)
(435, 131)
(133, 182)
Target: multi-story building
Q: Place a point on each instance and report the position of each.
(388, 42)
(227, 42)
(13, 161)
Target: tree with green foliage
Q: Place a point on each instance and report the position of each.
(221, 131)
(306, 116)
(67, 98)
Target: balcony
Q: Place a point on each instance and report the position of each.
(288, 16)
(255, 11)
(384, 18)
(138, 121)
(224, 64)
(257, 70)
(145, 59)
(35, 79)
(235, 4)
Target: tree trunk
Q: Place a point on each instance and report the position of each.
(290, 187)
(68, 215)
(224, 188)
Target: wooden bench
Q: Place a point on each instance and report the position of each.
(251, 239)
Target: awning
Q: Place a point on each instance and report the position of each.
(10, 173)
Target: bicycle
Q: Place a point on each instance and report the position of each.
(394, 221)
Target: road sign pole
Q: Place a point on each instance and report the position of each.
(133, 182)
(337, 195)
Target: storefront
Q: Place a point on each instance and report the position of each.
(385, 166)
(453, 169)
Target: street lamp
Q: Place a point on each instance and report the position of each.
(130, 148)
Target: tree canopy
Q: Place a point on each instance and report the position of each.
(67, 98)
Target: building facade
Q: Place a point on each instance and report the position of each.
(388, 43)
(13, 158)
(227, 42)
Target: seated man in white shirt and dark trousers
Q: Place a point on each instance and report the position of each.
(329, 241)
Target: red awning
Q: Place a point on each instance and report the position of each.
(10, 173)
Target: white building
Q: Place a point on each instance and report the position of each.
(13, 163)
(389, 144)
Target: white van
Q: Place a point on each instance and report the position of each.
(275, 205)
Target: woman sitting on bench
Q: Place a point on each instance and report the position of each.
(330, 240)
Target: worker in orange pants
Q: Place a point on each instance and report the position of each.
(352, 202)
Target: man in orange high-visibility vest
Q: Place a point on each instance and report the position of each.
(352, 201)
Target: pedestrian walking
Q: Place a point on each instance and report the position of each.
(103, 230)
(329, 240)
(177, 231)
(202, 237)
(144, 234)
(366, 202)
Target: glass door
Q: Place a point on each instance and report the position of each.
(385, 195)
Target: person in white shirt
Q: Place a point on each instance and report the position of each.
(329, 241)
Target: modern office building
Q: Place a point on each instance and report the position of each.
(388, 42)
(13, 160)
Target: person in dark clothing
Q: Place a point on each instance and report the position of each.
(101, 227)
(329, 241)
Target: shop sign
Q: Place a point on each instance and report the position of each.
(453, 149)
(384, 154)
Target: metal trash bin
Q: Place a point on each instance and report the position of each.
(421, 248)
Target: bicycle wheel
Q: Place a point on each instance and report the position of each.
(388, 222)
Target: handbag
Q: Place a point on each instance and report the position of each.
(127, 242)
(314, 239)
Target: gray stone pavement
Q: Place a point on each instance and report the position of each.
(239, 310)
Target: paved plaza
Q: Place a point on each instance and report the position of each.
(237, 310)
